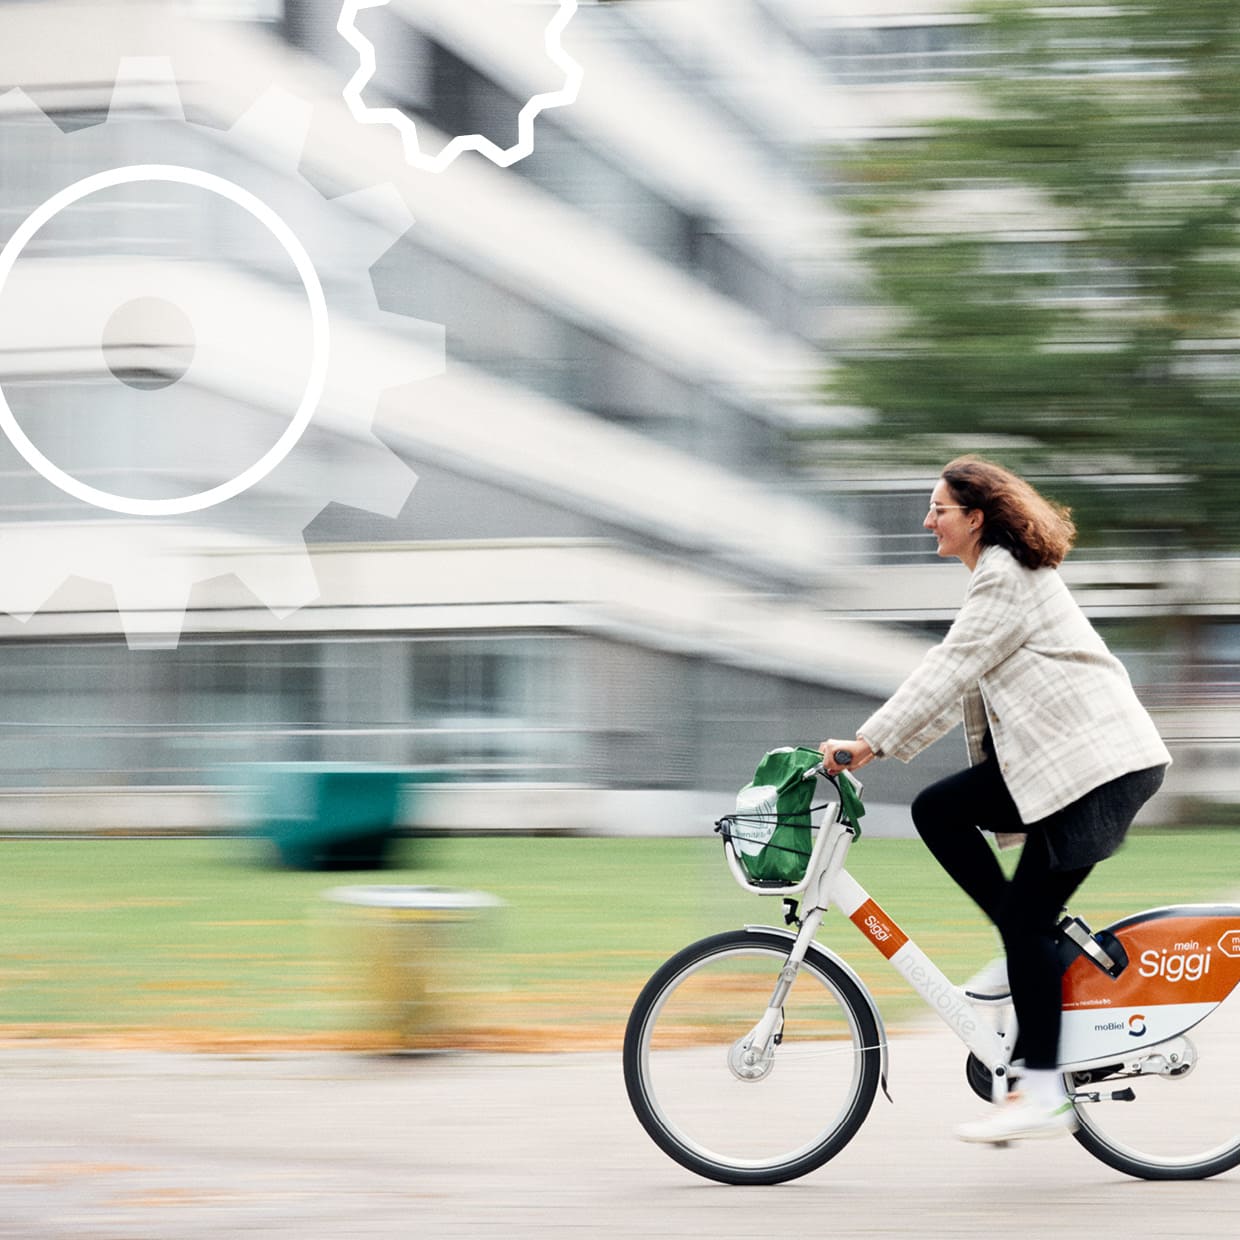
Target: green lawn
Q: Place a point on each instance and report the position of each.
(196, 941)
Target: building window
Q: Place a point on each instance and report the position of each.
(495, 708)
(864, 55)
(235, 10)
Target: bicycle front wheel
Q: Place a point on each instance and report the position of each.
(739, 1119)
(1174, 1114)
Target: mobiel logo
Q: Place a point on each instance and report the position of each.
(1134, 1026)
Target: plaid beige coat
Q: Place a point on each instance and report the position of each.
(1022, 659)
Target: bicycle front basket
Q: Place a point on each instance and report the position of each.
(771, 830)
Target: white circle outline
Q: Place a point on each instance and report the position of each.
(318, 320)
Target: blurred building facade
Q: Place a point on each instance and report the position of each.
(600, 601)
(613, 586)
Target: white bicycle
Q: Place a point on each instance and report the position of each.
(753, 1056)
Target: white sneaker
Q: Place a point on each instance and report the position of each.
(1021, 1120)
(990, 983)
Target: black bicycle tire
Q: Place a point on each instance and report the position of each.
(1106, 1152)
(849, 995)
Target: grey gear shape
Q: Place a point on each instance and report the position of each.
(153, 563)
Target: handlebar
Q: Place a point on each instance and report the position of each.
(842, 756)
(846, 783)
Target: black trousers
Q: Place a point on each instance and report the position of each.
(1024, 908)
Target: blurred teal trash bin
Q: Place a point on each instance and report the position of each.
(331, 815)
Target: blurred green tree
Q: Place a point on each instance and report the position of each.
(1061, 269)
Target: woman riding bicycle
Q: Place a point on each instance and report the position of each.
(1061, 752)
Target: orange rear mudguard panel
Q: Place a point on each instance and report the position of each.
(1183, 961)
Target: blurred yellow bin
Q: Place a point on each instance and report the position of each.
(413, 952)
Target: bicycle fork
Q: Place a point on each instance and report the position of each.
(752, 1055)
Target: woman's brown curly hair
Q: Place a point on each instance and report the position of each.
(1036, 530)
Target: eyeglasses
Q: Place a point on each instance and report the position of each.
(939, 509)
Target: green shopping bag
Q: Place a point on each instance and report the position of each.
(771, 831)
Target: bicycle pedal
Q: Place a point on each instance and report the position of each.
(1102, 949)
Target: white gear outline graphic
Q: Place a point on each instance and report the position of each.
(9, 255)
(362, 112)
(153, 564)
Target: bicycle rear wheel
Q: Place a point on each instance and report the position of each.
(1180, 1124)
(750, 1123)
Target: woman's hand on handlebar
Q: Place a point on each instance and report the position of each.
(857, 750)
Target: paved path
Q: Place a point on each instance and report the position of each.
(137, 1145)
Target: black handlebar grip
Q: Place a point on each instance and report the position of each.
(843, 756)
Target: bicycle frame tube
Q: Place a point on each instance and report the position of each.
(925, 977)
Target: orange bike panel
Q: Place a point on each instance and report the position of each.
(1175, 955)
(879, 928)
